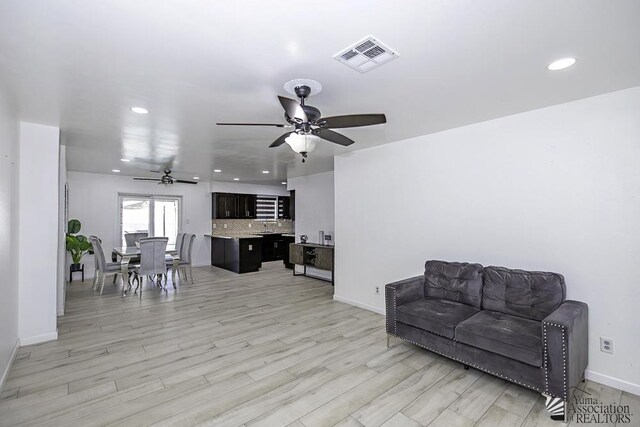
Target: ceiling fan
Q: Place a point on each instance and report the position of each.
(166, 179)
(308, 124)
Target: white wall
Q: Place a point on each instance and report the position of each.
(38, 232)
(314, 209)
(9, 164)
(62, 254)
(93, 199)
(234, 187)
(555, 189)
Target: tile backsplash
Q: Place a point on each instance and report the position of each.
(239, 227)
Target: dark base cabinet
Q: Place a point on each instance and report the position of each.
(286, 241)
(275, 247)
(237, 255)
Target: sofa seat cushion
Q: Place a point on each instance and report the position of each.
(510, 336)
(439, 316)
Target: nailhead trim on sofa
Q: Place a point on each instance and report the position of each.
(564, 359)
(395, 334)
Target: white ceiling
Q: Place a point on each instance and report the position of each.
(82, 64)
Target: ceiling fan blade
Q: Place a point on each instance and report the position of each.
(278, 142)
(278, 125)
(182, 181)
(352, 121)
(293, 109)
(147, 179)
(332, 136)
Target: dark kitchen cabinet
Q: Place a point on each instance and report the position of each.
(286, 242)
(292, 205)
(238, 255)
(233, 206)
(273, 247)
(217, 252)
(246, 206)
(284, 207)
(224, 206)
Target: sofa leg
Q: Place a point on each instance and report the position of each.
(466, 367)
(556, 408)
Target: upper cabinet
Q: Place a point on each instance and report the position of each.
(287, 206)
(232, 206)
(224, 206)
(284, 204)
(244, 206)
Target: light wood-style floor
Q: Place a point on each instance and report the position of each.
(255, 349)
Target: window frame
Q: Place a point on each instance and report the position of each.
(151, 198)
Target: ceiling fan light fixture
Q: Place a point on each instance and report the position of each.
(302, 143)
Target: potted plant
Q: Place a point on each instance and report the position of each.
(77, 245)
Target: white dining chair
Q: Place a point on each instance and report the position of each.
(130, 239)
(152, 261)
(103, 268)
(171, 260)
(185, 257)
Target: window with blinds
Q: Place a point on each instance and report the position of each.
(266, 207)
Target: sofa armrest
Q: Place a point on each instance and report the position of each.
(565, 340)
(401, 292)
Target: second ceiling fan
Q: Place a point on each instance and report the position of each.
(308, 124)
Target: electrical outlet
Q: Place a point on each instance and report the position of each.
(377, 290)
(606, 345)
(224, 225)
(250, 247)
(249, 225)
(215, 226)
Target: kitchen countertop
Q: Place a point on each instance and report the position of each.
(250, 236)
(243, 236)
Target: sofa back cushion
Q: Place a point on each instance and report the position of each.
(529, 294)
(454, 281)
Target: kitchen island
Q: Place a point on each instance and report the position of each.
(240, 254)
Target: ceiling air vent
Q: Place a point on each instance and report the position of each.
(366, 54)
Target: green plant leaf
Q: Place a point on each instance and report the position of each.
(73, 226)
(72, 243)
(84, 246)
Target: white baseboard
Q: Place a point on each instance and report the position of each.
(360, 304)
(39, 338)
(613, 382)
(5, 374)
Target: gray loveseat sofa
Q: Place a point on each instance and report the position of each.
(514, 324)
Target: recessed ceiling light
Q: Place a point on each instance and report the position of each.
(125, 160)
(115, 170)
(265, 171)
(561, 64)
(196, 177)
(283, 183)
(139, 110)
(236, 179)
(217, 170)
